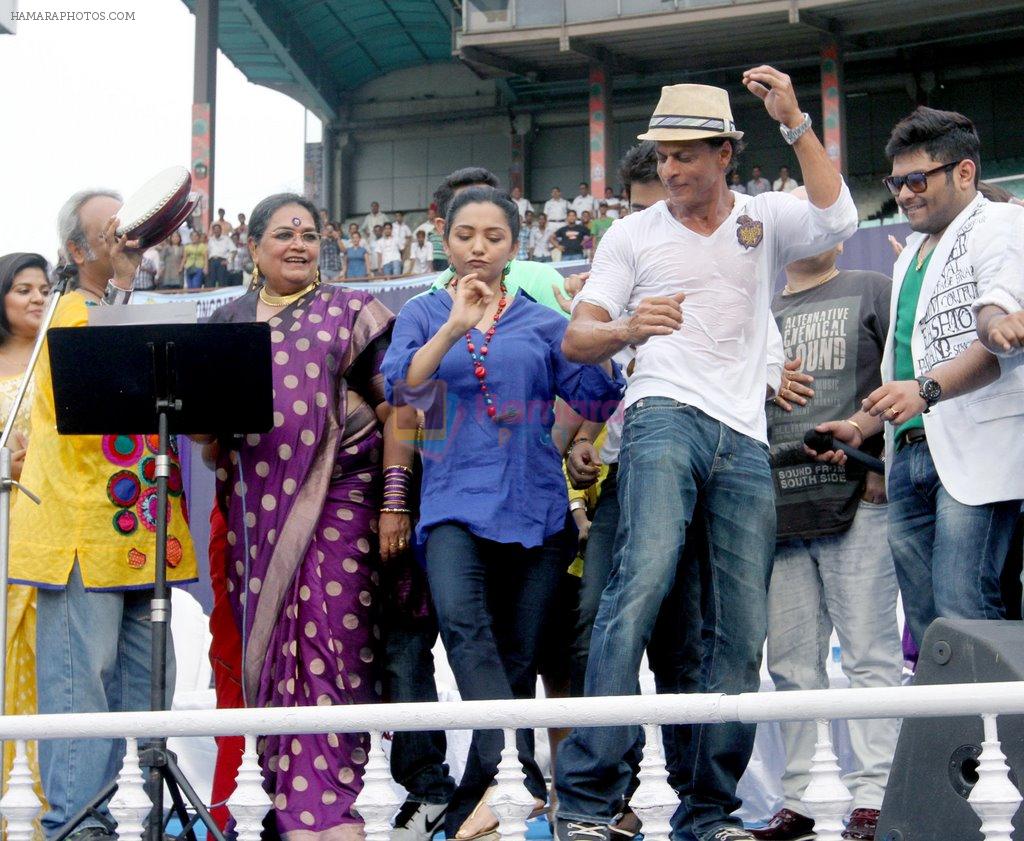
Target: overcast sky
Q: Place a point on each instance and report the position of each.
(109, 104)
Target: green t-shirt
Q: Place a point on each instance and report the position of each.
(599, 227)
(906, 310)
(535, 279)
(437, 243)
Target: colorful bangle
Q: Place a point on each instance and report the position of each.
(394, 510)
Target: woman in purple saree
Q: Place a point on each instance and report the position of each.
(302, 504)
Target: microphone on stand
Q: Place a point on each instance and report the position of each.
(822, 442)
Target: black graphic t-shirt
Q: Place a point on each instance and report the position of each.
(838, 329)
(570, 239)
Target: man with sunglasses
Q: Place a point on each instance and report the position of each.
(951, 411)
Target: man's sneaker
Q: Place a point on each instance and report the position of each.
(93, 832)
(418, 821)
(567, 830)
(730, 833)
(862, 824)
(786, 825)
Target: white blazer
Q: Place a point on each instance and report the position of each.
(976, 440)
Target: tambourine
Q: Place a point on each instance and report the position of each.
(158, 208)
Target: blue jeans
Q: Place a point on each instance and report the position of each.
(193, 278)
(417, 756)
(93, 654)
(674, 652)
(393, 268)
(218, 271)
(492, 600)
(674, 458)
(948, 555)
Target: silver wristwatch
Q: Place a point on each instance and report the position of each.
(792, 135)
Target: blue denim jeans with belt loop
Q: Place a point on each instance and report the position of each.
(93, 654)
(673, 458)
(948, 555)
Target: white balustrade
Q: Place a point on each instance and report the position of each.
(510, 800)
(130, 805)
(249, 802)
(377, 803)
(654, 800)
(827, 798)
(20, 805)
(994, 797)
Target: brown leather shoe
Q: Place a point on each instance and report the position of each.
(862, 825)
(786, 825)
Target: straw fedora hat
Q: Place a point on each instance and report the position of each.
(692, 112)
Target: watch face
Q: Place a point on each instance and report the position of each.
(930, 390)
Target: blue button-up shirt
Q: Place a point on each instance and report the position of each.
(503, 481)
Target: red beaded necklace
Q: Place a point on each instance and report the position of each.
(477, 357)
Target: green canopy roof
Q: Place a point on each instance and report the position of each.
(316, 51)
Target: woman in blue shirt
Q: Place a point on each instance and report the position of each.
(355, 256)
(493, 496)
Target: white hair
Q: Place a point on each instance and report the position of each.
(69, 223)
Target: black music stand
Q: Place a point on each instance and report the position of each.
(164, 379)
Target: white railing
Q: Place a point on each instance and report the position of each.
(994, 797)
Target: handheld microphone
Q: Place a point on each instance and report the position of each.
(822, 442)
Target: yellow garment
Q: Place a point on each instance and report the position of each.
(195, 255)
(589, 496)
(98, 499)
(20, 687)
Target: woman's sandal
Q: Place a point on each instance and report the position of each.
(482, 823)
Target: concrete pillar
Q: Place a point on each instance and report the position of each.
(833, 101)
(519, 151)
(330, 199)
(600, 128)
(344, 148)
(204, 96)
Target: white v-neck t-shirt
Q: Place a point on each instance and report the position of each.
(716, 360)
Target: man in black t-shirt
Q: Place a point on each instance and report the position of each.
(570, 237)
(832, 564)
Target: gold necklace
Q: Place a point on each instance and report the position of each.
(285, 300)
(788, 291)
(921, 257)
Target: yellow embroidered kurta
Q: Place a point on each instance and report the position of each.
(98, 499)
(20, 687)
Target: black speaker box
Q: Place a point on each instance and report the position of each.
(935, 766)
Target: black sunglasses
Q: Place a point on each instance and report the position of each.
(917, 182)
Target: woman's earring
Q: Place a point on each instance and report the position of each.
(255, 284)
(506, 270)
(316, 280)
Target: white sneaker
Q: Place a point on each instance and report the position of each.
(418, 821)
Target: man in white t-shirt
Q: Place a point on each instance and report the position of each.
(784, 183)
(422, 253)
(556, 208)
(689, 282)
(521, 203)
(402, 232)
(389, 254)
(372, 220)
(613, 202)
(540, 235)
(585, 202)
(218, 250)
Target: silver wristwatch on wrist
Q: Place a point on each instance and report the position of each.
(792, 135)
